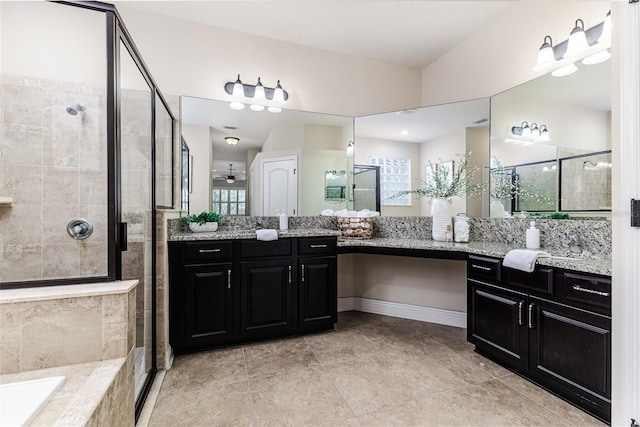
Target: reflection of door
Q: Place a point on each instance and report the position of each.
(366, 187)
(280, 186)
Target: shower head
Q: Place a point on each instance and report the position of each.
(75, 109)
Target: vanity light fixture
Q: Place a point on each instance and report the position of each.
(350, 147)
(525, 134)
(231, 140)
(231, 178)
(258, 97)
(591, 44)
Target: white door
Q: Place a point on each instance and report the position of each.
(280, 186)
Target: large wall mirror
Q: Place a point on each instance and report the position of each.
(402, 143)
(567, 169)
(275, 161)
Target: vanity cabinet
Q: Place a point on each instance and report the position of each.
(234, 291)
(552, 326)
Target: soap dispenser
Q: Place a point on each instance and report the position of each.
(284, 221)
(533, 236)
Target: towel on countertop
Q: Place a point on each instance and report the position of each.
(267, 234)
(523, 259)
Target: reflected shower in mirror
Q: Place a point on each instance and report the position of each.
(402, 144)
(279, 160)
(554, 172)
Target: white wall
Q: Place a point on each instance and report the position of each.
(197, 60)
(197, 138)
(503, 53)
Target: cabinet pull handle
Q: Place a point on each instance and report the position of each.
(208, 251)
(302, 273)
(289, 274)
(481, 267)
(590, 291)
(531, 325)
(520, 317)
(318, 246)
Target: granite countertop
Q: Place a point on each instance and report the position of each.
(186, 236)
(595, 265)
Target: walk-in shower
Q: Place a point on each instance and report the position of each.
(56, 168)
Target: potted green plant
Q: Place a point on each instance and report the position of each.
(204, 221)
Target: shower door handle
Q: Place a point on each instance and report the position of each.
(122, 236)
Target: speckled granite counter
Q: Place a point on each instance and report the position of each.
(601, 265)
(183, 236)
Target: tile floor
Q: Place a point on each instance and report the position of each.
(372, 371)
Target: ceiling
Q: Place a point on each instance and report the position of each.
(403, 32)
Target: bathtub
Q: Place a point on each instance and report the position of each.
(20, 402)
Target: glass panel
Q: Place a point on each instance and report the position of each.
(233, 209)
(241, 208)
(224, 196)
(164, 156)
(136, 187)
(241, 195)
(53, 145)
(233, 195)
(215, 195)
(223, 209)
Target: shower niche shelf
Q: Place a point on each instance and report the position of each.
(6, 201)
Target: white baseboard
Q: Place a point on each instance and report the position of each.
(404, 311)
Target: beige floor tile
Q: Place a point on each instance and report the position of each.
(207, 369)
(302, 397)
(228, 405)
(426, 413)
(274, 357)
(573, 415)
(340, 346)
(492, 404)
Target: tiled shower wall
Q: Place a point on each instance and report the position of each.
(54, 166)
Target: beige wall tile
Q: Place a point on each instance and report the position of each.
(97, 216)
(22, 225)
(60, 147)
(93, 150)
(61, 332)
(22, 145)
(131, 324)
(94, 258)
(23, 183)
(23, 104)
(114, 340)
(93, 187)
(55, 222)
(114, 309)
(10, 328)
(60, 186)
(61, 260)
(21, 262)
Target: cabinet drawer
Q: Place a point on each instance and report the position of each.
(211, 250)
(258, 248)
(541, 279)
(483, 268)
(317, 245)
(586, 291)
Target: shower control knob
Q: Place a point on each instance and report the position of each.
(79, 228)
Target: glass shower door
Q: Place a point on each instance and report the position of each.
(136, 184)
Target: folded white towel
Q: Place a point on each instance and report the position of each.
(267, 234)
(523, 259)
(327, 212)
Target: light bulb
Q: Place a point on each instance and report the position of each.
(544, 133)
(237, 105)
(526, 130)
(597, 58)
(259, 92)
(535, 132)
(238, 89)
(545, 55)
(577, 40)
(256, 107)
(565, 71)
(278, 94)
(274, 109)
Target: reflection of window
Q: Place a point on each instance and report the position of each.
(228, 201)
(395, 177)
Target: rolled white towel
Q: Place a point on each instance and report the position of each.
(341, 212)
(267, 234)
(327, 212)
(523, 259)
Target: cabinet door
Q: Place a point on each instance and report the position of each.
(497, 323)
(266, 302)
(317, 292)
(208, 313)
(571, 348)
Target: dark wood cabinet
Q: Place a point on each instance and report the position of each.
(267, 298)
(232, 291)
(551, 326)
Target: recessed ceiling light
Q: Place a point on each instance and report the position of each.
(404, 132)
